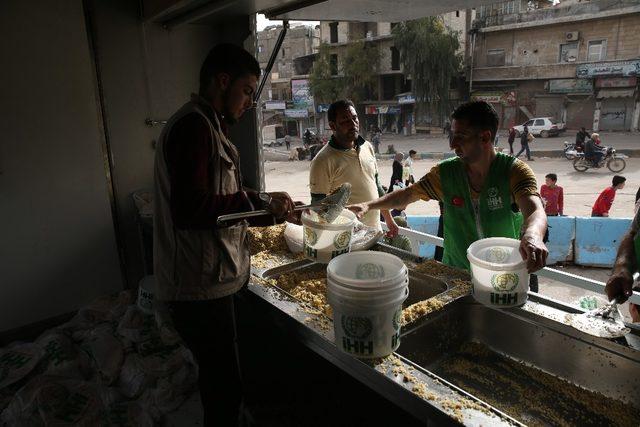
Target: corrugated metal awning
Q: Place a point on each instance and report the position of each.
(616, 93)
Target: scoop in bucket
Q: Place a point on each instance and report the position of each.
(331, 206)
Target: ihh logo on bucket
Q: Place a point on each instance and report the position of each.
(504, 283)
(356, 330)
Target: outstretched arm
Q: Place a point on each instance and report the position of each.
(532, 248)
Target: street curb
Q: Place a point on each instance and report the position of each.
(535, 153)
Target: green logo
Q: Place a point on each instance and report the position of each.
(505, 282)
(369, 271)
(342, 240)
(396, 319)
(310, 236)
(356, 327)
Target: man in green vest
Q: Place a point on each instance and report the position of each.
(484, 193)
(620, 284)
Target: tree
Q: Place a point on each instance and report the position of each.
(428, 52)
(354, 78)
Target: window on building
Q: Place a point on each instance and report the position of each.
(393, 25)
(457, 14)
(597, 50)
(333, 64)
(495, 57)
(333, 32)
(395, 58)
(282, 52)
(389, 87)
(569, 52)
(406, 86)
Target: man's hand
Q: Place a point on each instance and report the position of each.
(281, 205)
(534, 252)
(359, 209)
(619, 285)
(393, 228)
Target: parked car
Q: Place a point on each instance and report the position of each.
(542, 126)
(273, 135)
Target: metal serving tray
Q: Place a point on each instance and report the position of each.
(481, 349)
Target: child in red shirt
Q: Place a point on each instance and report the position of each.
(552, 195)
(605, 199)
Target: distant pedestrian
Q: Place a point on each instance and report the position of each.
(552, 195)
(525, 138)
(604, 201)
(512, 137)
(407, 170)
(377, 134)
(287, 142)
(396, 175)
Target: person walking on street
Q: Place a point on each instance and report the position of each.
(377, 134)
(552, 195)
(525, 138)
(512, 137)
(407, 170)
(478, 188)
(348, 157)
(396, 173)
(200, 267)
(287, 142)
(604, 201)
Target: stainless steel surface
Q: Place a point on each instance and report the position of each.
(421, 286)
(594, 364)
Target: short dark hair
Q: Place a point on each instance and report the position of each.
(618, 180)
(412, 152)
(552, 176)
(332, 113)
(479, 114)
(227, 58)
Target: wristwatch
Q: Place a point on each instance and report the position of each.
(266, 199)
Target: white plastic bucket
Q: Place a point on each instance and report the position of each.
(498, 272)
(146, 294)
(324, 241)
(366, 291)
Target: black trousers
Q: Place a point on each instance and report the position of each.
(208, 329)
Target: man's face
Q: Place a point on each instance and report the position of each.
(549, 182)
(621, 185)
(346, 126)
(468, 142)
(238, 96)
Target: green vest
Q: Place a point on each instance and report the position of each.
(464, 223)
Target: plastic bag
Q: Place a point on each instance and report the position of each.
(17, 361)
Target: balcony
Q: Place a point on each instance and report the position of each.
(525, 72)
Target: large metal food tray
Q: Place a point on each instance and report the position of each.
(490, 346)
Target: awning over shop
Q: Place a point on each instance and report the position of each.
(616, 93)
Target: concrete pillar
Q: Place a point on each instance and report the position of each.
(636, 116)
(596, 116)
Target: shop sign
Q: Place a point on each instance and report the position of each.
(275, 105)
(406, 99)
(300, 94)
(616, 81)
(296, 114)
(322, 108)
(570, 86)
(504, 98)
(393, 110)
(618, 68)
(382, 109)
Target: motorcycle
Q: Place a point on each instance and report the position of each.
(614, 162)
(571, 150)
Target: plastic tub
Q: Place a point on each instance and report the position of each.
(324, 241)
(366, 291)
(498, 272)
(146, 294)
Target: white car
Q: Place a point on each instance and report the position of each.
(542, 126)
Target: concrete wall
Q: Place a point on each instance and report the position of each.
(582, 240)
(538, 48)
(58, 248)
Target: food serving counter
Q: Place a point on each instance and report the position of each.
(460, 361)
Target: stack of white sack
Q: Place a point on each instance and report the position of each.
(109, 365)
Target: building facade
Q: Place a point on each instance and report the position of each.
(390, 105)
(578, 62)
(285, 98)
